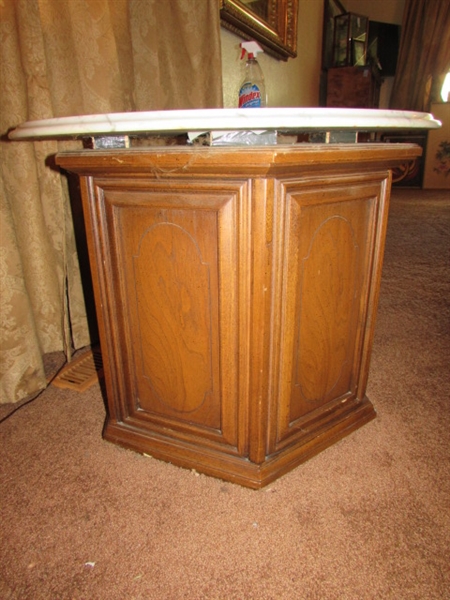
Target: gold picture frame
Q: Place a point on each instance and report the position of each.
(272, 23)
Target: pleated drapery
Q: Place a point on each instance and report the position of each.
(424, 54)
(72, 57)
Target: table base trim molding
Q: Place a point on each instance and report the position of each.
(234, 468)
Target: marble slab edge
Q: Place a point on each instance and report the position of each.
(182, 121)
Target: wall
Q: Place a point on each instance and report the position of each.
(291, 83)
(386, 11)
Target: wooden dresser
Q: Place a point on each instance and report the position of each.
(353, 87)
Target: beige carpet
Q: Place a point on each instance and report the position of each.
(369, 518)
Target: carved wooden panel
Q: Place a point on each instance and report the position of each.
(329, 244)
(177, 316)
(173, 284)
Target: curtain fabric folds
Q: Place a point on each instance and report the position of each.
(73, 57)
(424, 55)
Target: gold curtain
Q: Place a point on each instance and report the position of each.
(424, 55)
(72, 57)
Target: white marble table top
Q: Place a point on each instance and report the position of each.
(229, 119)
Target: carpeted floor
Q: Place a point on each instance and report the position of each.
(369, 518)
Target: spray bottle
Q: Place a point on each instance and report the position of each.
(252, 92)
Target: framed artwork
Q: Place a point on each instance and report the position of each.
(437, 160)
(272, 23)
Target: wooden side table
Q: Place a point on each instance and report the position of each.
(236, 293)
(235, 287)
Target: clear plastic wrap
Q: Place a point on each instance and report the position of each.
(234, 138)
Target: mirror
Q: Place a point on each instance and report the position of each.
(272, 23)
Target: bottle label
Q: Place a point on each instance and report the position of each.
(249, 96)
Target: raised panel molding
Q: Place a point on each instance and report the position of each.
(173, 257)
(327, 259)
